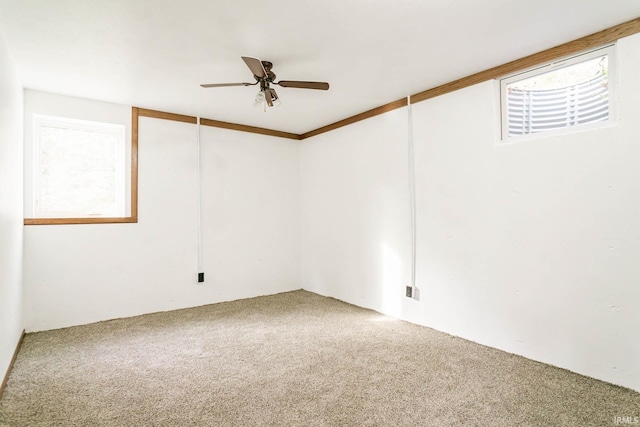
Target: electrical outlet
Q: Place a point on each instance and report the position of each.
(200, 277)
(409, 292)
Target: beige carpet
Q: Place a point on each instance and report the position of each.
(293, 359)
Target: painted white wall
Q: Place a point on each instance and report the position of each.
(11, 239)
(529, 247)
(355, 229)
(77, 274)
(250, 213)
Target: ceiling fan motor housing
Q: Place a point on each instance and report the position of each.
(271, 76)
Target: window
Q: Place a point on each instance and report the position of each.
(559, 97)
(78, 168)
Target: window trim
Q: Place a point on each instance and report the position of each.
(133, 216)
(609, 50)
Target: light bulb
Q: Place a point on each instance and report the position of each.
(259, 99)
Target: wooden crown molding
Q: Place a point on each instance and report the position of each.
(358, 117)
(143, 112)
(216, 123)
(251, 129)
(591, 41)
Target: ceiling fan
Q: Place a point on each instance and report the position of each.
(265, 77)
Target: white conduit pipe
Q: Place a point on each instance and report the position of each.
(412, 193)
(198, 197)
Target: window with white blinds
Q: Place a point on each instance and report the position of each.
(558, 97)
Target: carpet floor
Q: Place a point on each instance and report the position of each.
(292, 359)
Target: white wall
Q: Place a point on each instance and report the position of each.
(355, 229)
(250, 213)
(529, 247)
(77, 274)
(11, 240)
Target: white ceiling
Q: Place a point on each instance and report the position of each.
(155, 53)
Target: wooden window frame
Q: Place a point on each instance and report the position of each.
(133, 217)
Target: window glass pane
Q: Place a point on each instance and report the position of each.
(569, 96)
(80, 172)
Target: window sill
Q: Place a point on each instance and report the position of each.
(64, 221)
(588, 127)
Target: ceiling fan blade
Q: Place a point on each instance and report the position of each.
(267, 96)
(304, 85)
(227, 84)
(255, 65)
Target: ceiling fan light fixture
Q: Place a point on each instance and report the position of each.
(272, 101)
(274, 97)
(260, 99)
